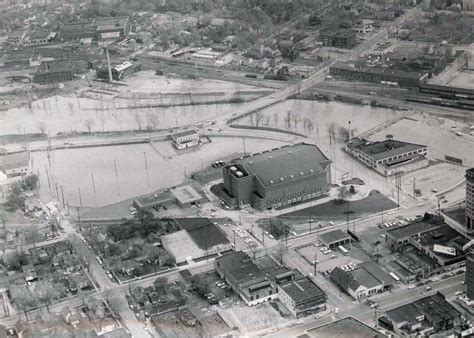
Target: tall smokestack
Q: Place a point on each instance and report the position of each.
(108, 65)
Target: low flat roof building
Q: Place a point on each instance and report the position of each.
(198, 238)
(277, 177)
(187, 196)
(15, 164)
(302, 297)
(335, 238)
(426, 316)
(378, 74)
(158, 200)
(345, 327)
(185, 139)
(246, 278)
(390, 156)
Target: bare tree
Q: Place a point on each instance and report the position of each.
(138, 120)
(102, 121)
(275, 119)
(267, 120)
(258, 118)
(89, 124)
(152, 120)
(296, 120)
(41, 126)
(288, 119)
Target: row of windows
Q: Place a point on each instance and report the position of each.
(386, 160)
(284, 201)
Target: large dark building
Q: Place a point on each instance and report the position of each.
(102, 30)
(339, 39)
(378, 74)
(53, 72)
(277, 177)
(470, 200)
(470, 275)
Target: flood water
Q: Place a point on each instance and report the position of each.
(84, 169)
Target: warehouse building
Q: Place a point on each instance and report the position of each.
(185, 139)
(340, 39)
(183, 196)
(198, 238)
(119, 71)
(302, 297)
(390, 156)
(379, 75)
(53, 72)
(345, 327)
(111, 29)
(335, 238)
(15, 164)
(424, 317)
(278, 177)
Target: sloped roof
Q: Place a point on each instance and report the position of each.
(14, 160)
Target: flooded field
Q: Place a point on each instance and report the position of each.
(84, 169)
(147, 101)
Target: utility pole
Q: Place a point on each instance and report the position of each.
(146, 169)
(47, 176)
(243, 141)
(79, 219)
(116, 176)
(398, 184)
(93, 188)
(310, 221)
(62, 195)
(80, 196)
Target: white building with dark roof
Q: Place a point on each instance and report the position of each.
(390, 156)
(277, 177)
(15, 164)
(302, 297)
(185, 139)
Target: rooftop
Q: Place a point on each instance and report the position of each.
(284, 164)
(14, 160)
(363, 277)
(404, 314)
(184, 133)
(383, 149)
(377, 272)
(241, 267)
(110, 23)
(470, 173)
(181, 245)
(55, 66)
(412, 229)
(186, 194)
(203, 232)
(334, 236)
(379, 70)
(345, 327)
(154, 199)
(302, 289)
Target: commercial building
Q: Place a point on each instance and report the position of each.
(183, 196)
(364, 281)
(469, 278)
(111, 29)
(345, 327)
(38, 38)
(277, 177)
(206, 55)
(15, 164)
(119, 71)
(16, 37)
(390, 156)
(339, 39)
(302, 297)
(53, 72)
(378, 74)
(197, 238)
(470, 200)
(103, 31)
(335, 238)
(245, 278)
(424, 317)
(185, 139)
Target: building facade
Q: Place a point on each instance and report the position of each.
(377, 75)
(15, 164)
(185, 139)
(390, 156)
(339, 39)
(470, 200)
(277, 177)
(469, 278)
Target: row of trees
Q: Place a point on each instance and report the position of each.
(16, 199)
